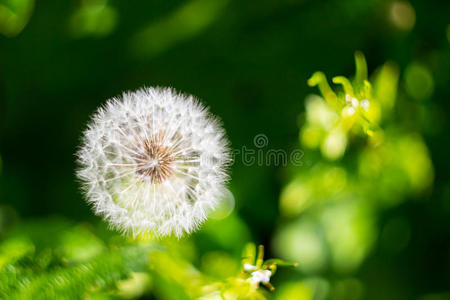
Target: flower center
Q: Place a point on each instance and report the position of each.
(155, 161)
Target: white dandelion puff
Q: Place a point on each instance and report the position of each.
(154, 162)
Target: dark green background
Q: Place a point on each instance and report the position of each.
(250, 66)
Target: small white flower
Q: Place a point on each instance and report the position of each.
(153, 161)
(365, 104)
(249, 267)
(260, 276)
(351, 100)
(348, 111)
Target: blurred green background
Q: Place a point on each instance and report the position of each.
(249, 61)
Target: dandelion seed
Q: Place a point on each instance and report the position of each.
(153, 162)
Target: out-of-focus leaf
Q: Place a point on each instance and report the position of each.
(187, 21)
(14, 16)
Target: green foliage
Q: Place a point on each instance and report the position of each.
(369, 163)
(14, 16)
(357, 109)
(367, 214)
(67, 264)
(56, 259)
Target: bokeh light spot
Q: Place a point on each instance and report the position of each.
(225, 207)
(300, 241)
(93, 18)
(295, 291)
(333, 147)
(419, 82)
(135, 286)
(349, 230)
(402, 15)
(294, 198)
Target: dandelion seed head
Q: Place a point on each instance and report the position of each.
(154, 162)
